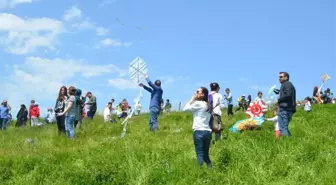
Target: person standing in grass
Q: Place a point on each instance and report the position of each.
(93, 105)
(4, 115)
(35, 115)
(32, 103)
(59, 108)
(108, 112)
(276, 124)
(199, 107)
(286, 102)
(155, 102)
(79, 105)
(22, 116)
(228, 98)
(70, 113)
(216, 117)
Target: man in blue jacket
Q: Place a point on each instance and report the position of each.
(155, 102)
(286, 103)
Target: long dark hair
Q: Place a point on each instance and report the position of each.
(315, 91)
(205, 91)
(60, 96)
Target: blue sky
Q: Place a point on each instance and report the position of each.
(239, 44)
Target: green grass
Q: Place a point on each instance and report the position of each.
(168, 156)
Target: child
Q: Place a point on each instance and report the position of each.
(107, 112)
(307, 102)
(276, 124)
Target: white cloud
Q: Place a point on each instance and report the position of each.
(13, 3)
(40, 79)
(26, 35)
(106, 2)
(101, 31)
(73, 13)
(84, 24)
(81, 22)
(114, 43)
(122, 83)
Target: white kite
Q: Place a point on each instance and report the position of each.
(137, 73)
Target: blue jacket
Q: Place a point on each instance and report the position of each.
(156, 94)
(4, 112)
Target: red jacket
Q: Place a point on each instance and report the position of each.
(35, 112)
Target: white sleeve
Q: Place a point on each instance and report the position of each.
(221, 101)
(194, 106)
(272, 119)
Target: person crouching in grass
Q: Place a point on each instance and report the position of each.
(199, 106)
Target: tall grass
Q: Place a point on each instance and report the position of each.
(168, 156)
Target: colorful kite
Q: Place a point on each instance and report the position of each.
(256, 109)
(247, 124)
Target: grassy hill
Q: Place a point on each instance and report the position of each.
(168, 156)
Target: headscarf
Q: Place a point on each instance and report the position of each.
(78, 94)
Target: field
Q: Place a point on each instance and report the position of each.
(168, 156)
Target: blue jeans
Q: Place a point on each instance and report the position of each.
(69, 126)
(153, 120)
(202, 141)
(4, 123)
(284, 117)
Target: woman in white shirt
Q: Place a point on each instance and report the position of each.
(107, 112)
(198, 105)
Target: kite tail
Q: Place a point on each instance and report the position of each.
(130, 115)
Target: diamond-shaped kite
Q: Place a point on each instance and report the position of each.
(137, 70)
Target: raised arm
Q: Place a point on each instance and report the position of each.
(147, 88)
(193, 106)
(272, 119)
(150, 83)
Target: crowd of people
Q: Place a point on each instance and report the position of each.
(206, 106)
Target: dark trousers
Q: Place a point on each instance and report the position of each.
(60, 124)
(202, 140)
(90, 114)
(230, 111)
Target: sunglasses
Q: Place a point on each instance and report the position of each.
(281, 76)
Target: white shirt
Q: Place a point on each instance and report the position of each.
(218, 102)
(107, 112)
(201, 116)
(138, 106)
(259, 99)
(275, 121)
(307, 106)
(51, 117)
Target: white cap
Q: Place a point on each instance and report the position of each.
(243, 94)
